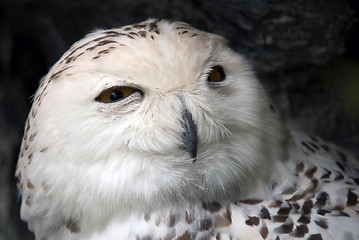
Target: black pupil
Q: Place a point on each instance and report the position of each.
(116, 95)
(221, 72)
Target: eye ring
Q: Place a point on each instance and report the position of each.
(216, 75)
(115, 94)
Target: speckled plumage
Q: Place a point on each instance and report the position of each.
(129, 137)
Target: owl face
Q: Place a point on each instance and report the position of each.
(147, 114)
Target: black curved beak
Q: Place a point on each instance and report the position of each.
(190, 139)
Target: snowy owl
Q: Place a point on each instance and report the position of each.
(160, 131)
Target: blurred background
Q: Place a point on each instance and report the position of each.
(304, 52)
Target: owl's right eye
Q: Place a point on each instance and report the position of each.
(216, 75)
(115, 94)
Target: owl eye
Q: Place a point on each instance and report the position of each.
(216, 75)
(115, 94)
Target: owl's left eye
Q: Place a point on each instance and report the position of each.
(115, 94)
(217, 74)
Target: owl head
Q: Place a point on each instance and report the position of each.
(144, 115)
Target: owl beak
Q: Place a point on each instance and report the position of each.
(190, 134)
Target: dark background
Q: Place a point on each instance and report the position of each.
(305, 52)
